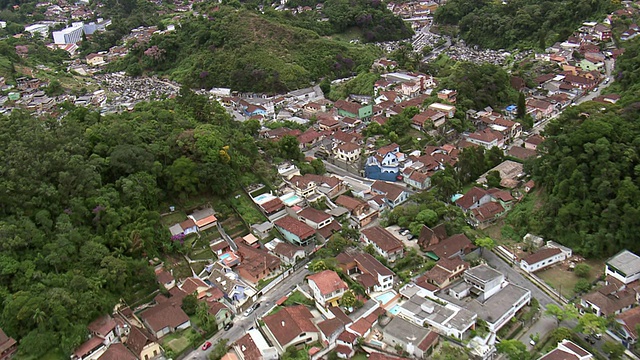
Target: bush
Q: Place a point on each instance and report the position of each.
(582, 270)
(582, 286)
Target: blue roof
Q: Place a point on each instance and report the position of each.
(455, 197)
(511, 108)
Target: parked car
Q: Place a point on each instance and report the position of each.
(206, 345)
(248, 312)
(228, 326)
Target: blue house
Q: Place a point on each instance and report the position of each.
(253, 110)
(384, 164)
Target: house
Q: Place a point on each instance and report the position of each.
(448, 110)
(541, 259)
(486, 138)
(427, 119)
(184, 228)
(384, 164)
(328, 124)
(567, 350)
(539, 109)
(448, 95)
(521, 153)
(419, 179)
(394, 195)
(117, 351)
(361, 213)
(383, 242)
(295, 231)
(104, 328)
(473, 198)
(253, 345)
(327, 287)
(194, 285)
(353, 109)
(429, 237)
(366, 270)
(220, 312)
(95, 59)
(306, 185)
(165, 318)
(449, 320)
(315, 218)
(165, 278)
(256, 264)
(291, 326)
(91, 349)
(142, 343)
(348, 152)
(624, 266)
(204, 218)
(446, 271)
(454, 246)
(287, 252)
(611, 299)
(627, 332)
(602, 32)
(8, 346)
(485, 292)
(253, 110)
(485, 215)
(403, 334)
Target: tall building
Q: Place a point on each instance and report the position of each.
(70, 35)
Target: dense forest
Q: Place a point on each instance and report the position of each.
(590, 171)
(519, 23)
(79, 200)
(247, 52)
(372, 18)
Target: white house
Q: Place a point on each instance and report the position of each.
(624, 266)
(541, 259)
(327, 287)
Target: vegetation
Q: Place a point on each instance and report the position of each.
(513, 349)
(561, 314)
(519, 23)
(79, 200)
(427, 211)
(247, 52)
(582, 270)
(219, 350)
(590, 173)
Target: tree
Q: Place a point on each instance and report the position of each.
(560, 334)
(591, 324)
(522, 106)
(290, 148)
(348, 299)
(513, 349)
(582, 270)
(568, 312)
(219, 350)
(190, 304)
(485, 243)
(493, 179)
(318, 166)
(615, 350)
(582, 286)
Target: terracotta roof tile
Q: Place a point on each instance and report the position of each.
(328, 282)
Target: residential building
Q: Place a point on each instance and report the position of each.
(295, 231)
(307, 185)
(485, 215)
(291, 326)
(104, 328)
(366, 270)
(117, 351)
(348, 152)
(383, 242)
(627, 332)
(91, 349)
(449, 320)
(393, 195)
(419, 179)
(315, 218)
(455, 246)
(624, 266)
(446, 271)
(448, 110)
(327, 287)
(142, 343)
(256, 264)
(533, 141)
(8, 346)
(204, 218)
(220, 312)
(567, 350)
(165, 318)
(353, 109)
(611, 299)
(287, 252)
(95, 59)
(448, 95)
(384, 164)
(361, 213)
(253, 346)
(165, 278)
(399, 332)
(541, 259)
(486, 138)
(473, 198)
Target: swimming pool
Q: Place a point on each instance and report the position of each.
(395, 310)
(386, 297)
(263, 198)
(224, 256)
(290, 199)
(376, 343)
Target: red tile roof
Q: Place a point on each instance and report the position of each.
(328, 282)
(384, 239)
(272, 206)
(289, 322)
(191, 285)
(430, 340)
(487, 211)
(557, 354)
(248, 348)
(164, 315)
(361, 326)
(102, 325)
(139, 338)
(117, 351)
(390, 191)
(452, 245)
(349, 202)
(314, 215)
(471, 197)
(541, 254)
(295, 226)
(348, 337)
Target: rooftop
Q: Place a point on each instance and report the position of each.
(541, 254)
(328, 282)
(384, 239)
(289, 322)
(295, 226)
(483, 272)
(406, 331)
(626, 262)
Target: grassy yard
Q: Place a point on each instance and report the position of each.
(176, 342)
(563, 280)
(202, 254)
(209, 235)
(54, 354)
(359, 356)
(247, 209)
(175, 217)
(297, 298)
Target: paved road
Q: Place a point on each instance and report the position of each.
(241, 323)
(608, 65)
